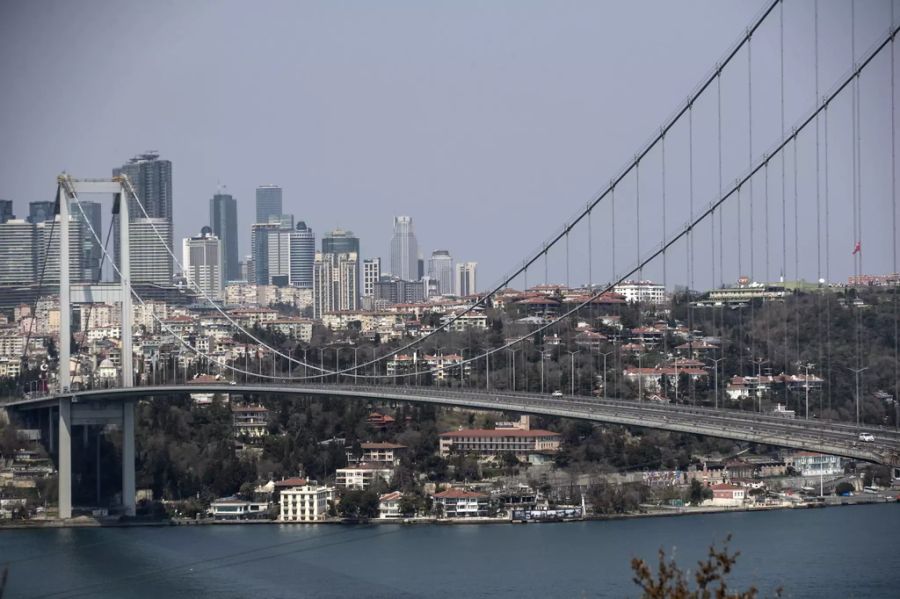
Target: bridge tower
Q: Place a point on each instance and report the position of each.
(69, 189)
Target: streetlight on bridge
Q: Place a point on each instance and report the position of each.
(857, 372)
(715, 362)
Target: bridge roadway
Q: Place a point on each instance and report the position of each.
(811, 435)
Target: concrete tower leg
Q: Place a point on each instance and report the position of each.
(65, 312)
(65, 457)
(127, 311)
(128, 484)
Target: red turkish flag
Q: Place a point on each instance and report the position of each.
(856, 249)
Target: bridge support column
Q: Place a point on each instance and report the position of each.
(128, 484)
(65, 458)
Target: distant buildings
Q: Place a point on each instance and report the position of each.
(303, 255)
(268, 202)
(335, 279)
(404, 250)
(486, 442)
(39, 212)
(6, 211)
(203, 263)
(644, 292)
(466, 279)
(390, 290)
(440, 270)
(371, 275)
(152, 182)
(17, 252)
(223, 221)
(258, 268)
(340, 241)
(150, 259)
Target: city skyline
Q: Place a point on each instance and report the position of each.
(335, 170)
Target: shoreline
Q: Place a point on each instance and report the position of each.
(89, 522)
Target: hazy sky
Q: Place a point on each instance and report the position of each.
(489, 123)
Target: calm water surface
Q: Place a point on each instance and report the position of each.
(835, 552)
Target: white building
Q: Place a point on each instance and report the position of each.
(440, 270)
(727, 495)
(808, 463)
(232, 508)
(645, 292)
(371, 275)
(202, 261)
(150, 259)
(307, 503)
(335, 277)
(466, 282)
(389, 505)
(362, 475)
(457, 503)
(404, 250)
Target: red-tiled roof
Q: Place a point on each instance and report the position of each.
(291, 482)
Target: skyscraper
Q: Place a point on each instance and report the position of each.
(279, 256)
(150, 259)
(466, 283)
(17, 252)
(371, 275)
(39, 212)
(258, 270)
(47, 251)
(202, 260)
(6, 211)
(440, 269)
(268, 202)
(303, 254)
(335, 279)
(91, 213)
(340, 241)
(223, 221)
(152, 182)
(404, 250)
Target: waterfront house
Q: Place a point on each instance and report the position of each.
(306, 503)
(459, 503)
(389, 505)
(727, 495)
(234, 508)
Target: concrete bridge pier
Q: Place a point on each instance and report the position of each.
(128, 484)
(64, 462)
(85, 415)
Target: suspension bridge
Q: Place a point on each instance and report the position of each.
(777, 178)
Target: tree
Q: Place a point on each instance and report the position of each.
(359, 505)
(699, 492)
(670, 581)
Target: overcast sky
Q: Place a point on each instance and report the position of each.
(489, 123)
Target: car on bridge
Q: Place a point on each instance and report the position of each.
(556, 393)
(867, 437)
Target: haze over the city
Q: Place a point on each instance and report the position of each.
(489, 124)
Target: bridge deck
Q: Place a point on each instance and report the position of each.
(813, 435)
